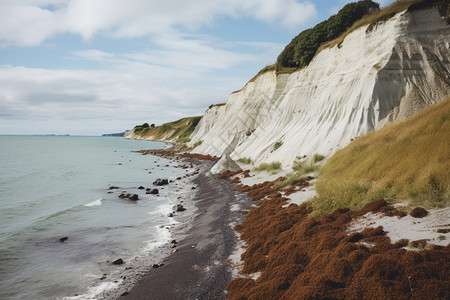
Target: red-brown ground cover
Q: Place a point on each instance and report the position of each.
(302, 257)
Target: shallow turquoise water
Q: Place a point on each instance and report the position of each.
(52, 187)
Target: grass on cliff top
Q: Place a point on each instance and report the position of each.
(372, 19)
(408, 161)
(382, 15)
(179, 130)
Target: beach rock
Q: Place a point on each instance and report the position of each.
(152, 191)
(170, 215)
(117, 261)
(134, 197)
(160, 182)
(113, 187)
(124, 294)
(193, 188)
(430, 247)
(226, 163)
(418, 212)
(63, 239)
(156, 266)
(178, 207)
(141, 188)
(122, 195)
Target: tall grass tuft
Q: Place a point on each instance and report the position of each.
(269, 167)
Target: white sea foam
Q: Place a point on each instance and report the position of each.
(97, 202)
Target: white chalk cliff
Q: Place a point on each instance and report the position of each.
(372, 79)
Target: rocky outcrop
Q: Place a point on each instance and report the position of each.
(225, 164)
(375, 77)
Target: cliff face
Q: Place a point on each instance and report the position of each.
(375, 77)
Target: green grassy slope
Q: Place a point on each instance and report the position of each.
(408, 161)
(178, 131)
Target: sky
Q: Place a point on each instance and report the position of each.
(88, 67)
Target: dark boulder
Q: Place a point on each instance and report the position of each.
(160, 182)
(418, 212)
(141, 187)
(63, 239)
(117, 261)
(134, 197)
(152, 191)
(178, 207)
(113, 187)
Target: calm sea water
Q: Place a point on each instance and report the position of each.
(53, 187)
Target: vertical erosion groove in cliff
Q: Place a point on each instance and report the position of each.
(302, 257)
(371, 80)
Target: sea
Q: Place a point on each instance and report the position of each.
(53, 187)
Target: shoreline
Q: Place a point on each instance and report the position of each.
(200, 268)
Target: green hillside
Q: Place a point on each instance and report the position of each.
(178, 131)
(405, 162)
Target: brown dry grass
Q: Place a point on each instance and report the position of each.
(405, 161)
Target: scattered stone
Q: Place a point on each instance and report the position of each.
(160, 182)
(418, 212)
(134, 197)
(193, 188)
(113, 187)
(122, 196)
(119, 164)
(178, 207)
(430, 247)
(174, 250)
(156, 266)
(174, 242)
(141, 188)
(63, 239)
(117, 261)
(173, 246)
(161, 226)
(178, 178)
(124, 294)
(152, 191)
(170, 215)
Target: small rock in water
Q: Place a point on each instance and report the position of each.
(117, 261)
(160, 181)
(141, 187)
(63, 239)
(170, 215)
(124, 294)
(134, 197)
(152, 191)
(161, 226)
(113, 187)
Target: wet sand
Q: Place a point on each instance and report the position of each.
(199, 269)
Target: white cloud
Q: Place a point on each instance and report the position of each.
(130, 87)
(30, 22)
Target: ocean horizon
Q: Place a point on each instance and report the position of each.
(53, 187)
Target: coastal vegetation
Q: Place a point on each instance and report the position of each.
(301, 50)
(178, 131)
(329, 33)
(277, 145)
(245, 160)
(269, 167)
(404, 162)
